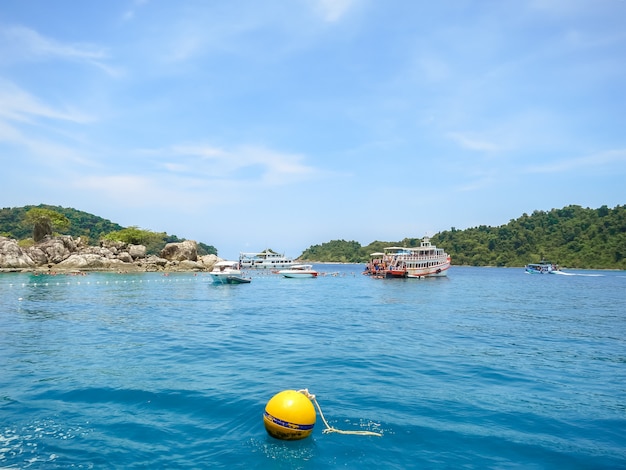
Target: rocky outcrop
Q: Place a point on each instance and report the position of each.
(54, 249)
(12, 256)
(92, 262)
(187, 250)
(64, 253)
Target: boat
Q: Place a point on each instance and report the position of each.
(543, 267)
(227, 272)
(265, 260)
(299, 270)
(419, 262)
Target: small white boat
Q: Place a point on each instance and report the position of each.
(543, 267)
(299, 270)
(227, 272)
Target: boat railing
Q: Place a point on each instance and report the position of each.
(416, 257)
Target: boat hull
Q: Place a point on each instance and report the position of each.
(238, 280)
(540, 268)
(297, 275)
(420, 273)
(225, 278)
(435, 271)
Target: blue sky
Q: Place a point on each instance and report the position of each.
(287, 123)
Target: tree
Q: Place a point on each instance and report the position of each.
(153, 241)
(44, 221)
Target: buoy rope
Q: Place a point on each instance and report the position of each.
(329, 428)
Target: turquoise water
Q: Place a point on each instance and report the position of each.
(489, 368)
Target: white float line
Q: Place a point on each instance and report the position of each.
(132, 281)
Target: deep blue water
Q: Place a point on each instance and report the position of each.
(489, 368)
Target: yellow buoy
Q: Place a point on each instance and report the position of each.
(289, 415)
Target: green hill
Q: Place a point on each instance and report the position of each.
(82, 224)
(573, 236)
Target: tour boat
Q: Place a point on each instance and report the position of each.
(419, 262)
(265, 260)
(299, 270)
(543, 267)
(227, 272)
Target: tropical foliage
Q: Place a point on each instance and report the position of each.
(37, 221)
(14, 224)
(44, 221)
(572, 236)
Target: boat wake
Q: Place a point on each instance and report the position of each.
(576, 274)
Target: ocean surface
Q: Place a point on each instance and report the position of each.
(487, 368)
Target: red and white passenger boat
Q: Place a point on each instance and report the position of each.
(413, 262)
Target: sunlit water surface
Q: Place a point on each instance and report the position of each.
(488, 368)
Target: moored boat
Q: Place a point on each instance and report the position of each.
(228, 272)
(264, 260)
(543, 267)
(419, 262)
(299, 270)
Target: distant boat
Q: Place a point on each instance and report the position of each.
(299, 270)
(543, 267)
(227, 272)
(419, 262)
(264, 260)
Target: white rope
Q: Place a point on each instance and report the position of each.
(329, 428)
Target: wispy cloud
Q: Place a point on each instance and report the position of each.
(246, 162)
(17, 104)
(27, 123)
(20, 43)
(597, 160)
(333, 10)
(129, 14)
(470, 142)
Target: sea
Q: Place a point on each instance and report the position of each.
(487, 368)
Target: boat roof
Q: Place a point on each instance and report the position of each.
(265, 253)
(226, 263)
(400, 249)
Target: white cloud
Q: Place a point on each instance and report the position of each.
(20, 43)
(601, 159)
(261, 165)
(18, 105)
(129, 14)
(333, 10)
(472, 143)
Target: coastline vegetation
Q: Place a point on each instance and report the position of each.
(28, 223)
(573, 236)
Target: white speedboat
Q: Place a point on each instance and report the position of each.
(299, 270)
(227, 272)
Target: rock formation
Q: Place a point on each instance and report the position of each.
(63, 253)
(12, 256)
(187, 250)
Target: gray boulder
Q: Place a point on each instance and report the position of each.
(187, 250)
(91, 261)
(12, 256)
(137, 251)
(56, 249)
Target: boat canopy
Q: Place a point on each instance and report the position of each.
(226, 263)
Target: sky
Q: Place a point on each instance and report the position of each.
(282, 124)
